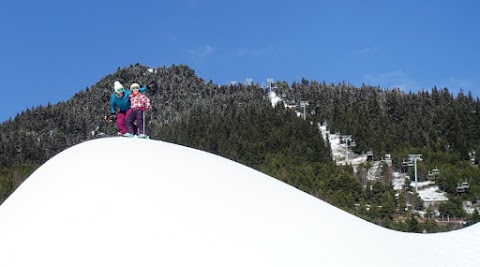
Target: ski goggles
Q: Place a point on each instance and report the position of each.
(119, 90)
(135, 88)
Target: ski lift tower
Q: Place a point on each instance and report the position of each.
(346, 138)
(270, 85)
(304, 104)
(414, 158)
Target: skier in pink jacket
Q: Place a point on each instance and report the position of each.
(139, 103)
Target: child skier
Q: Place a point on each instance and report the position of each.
(139, 103)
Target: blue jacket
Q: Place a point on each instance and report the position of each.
(122, 103)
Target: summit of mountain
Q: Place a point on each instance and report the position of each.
(175, 92)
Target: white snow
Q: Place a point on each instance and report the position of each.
(430, 193)
(134, 202)
(338, 151)
(398, 181)
(274, 99)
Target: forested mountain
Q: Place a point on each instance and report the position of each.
(238, 122)
(391, 121)
(175, 92)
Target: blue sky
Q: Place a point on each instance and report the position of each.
(52, 49)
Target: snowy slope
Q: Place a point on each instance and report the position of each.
(168, 205)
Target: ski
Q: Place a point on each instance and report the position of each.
(135, 136)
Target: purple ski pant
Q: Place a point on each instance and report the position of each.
(137, 117)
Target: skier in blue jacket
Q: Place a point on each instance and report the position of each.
(121, 99)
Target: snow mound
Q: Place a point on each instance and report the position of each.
(134, 202)
(274, 99)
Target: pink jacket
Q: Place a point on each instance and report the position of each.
(139, 101)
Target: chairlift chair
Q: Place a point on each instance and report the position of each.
(404, 165)
(461, 188)
(370, 155)
(465, 185)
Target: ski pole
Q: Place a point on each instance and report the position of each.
(144, 123)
